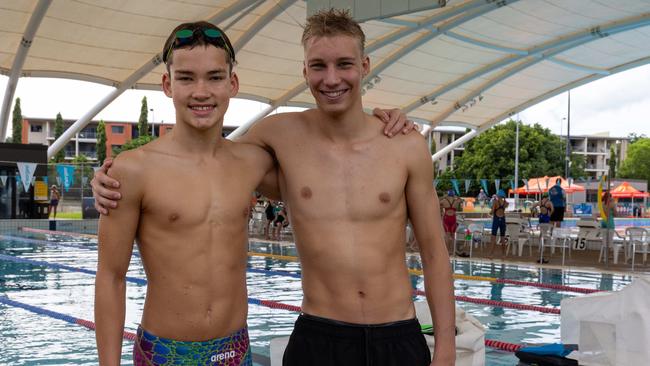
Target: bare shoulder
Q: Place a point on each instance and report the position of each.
(128, 162)
(412, 144)
(281, 122)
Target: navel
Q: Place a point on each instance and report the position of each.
(305, 192)
(173, 217)
(384, 197)
(361, 294)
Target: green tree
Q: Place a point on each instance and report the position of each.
(578, 163)
(634, 137)
(101, 142)
(133, 144)
(637, 162)
(492, 155)
(613, 164)
(58, 131)
(84, 167)
(17, 124)
(143, 125)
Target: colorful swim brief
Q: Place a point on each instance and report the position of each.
(232, 350)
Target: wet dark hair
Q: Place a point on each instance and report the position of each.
(197, 39)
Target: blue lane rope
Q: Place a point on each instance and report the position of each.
(94, 248)
(139, 281)
(38, 310)
(33, 262)
(55, 243)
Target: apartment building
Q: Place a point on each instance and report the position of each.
(443, 137)
(41, 131)
(595, 149)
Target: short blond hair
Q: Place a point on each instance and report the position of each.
(333, 22)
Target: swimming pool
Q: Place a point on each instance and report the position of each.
(30, 338)
(620, 222)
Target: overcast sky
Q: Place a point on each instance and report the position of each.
(618, 104)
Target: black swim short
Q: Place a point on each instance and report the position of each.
(558, 214)
(318, 341)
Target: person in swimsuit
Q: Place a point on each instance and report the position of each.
(498, 212)
(269, 211)
(55, 196)
(545, 209)
(557, 195)
(279, 221)
(609, 206)
(450, 204)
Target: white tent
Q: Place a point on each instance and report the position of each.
(610, 328)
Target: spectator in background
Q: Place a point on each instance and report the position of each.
(450, 205)
(498, 212)
(269, 211)
(558, 199)
(482, 197)
(545, 209)
(55, 196)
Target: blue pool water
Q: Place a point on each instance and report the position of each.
(27, 338)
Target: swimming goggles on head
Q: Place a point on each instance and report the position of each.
(186, 37)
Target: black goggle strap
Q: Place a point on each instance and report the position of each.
(186, 36)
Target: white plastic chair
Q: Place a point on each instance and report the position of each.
(563, 235)
(616, 243)
(518, 238)
(636, 237)
(475, 238)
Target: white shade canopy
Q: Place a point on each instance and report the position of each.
(471, 63)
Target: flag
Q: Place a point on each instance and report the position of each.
(485, 186)
(454, 182)
(26, 171)
(65, 175)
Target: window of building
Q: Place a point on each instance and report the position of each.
(36, 128)
(117, 129)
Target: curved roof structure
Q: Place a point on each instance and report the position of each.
(469, 63)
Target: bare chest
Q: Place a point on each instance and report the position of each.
(351, 182)
(186, 198)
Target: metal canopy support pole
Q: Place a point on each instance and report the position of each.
(608, 239)
(19, 60)
(83, 121)
(466, 137)
(567, 158)
(516, 163)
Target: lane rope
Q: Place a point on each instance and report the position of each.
(56, 315)
(411, 271)
(278, 305)
(505, 346)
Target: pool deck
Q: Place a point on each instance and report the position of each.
(579, 259)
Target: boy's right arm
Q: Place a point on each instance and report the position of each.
(116, 236)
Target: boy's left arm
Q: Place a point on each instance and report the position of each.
(424, 213)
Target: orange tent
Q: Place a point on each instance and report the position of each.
(625, 190)
(542, 184)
